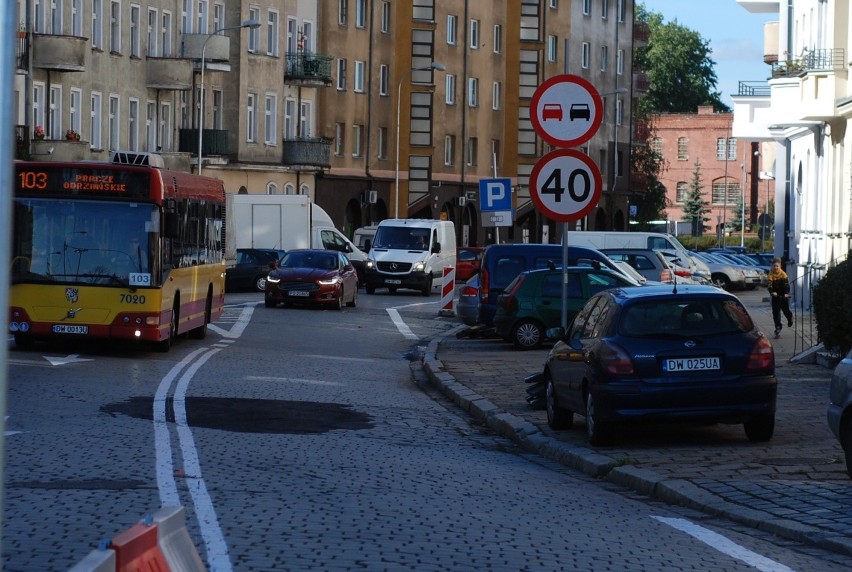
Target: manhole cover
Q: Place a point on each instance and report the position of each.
(252, 415)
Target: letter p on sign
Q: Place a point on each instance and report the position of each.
(495, 195)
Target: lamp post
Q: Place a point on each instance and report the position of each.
(765, 176)
(432, 66)
(247, 24)
(618, 91)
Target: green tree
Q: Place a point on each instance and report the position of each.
(678, 64)
(694, 206)
(649, 194)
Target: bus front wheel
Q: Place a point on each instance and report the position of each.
(166, 345)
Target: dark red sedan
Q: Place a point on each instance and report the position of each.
(318, 277)
(468, 261)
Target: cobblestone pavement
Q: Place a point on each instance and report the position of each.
(795, 486)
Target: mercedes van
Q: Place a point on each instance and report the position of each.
(410, 253)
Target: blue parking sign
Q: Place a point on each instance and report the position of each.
(495, 194)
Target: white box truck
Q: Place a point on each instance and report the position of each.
(621, 239)
(410, 253)
(283, 222)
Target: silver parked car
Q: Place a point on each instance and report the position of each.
(840, 409)
(724, 274)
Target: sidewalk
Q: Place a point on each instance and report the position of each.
(795, 486)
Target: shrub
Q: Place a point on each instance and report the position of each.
(832, 301)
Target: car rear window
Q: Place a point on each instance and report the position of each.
(684, 316)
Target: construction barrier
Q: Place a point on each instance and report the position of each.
(161, 543)
(174, 541)
(448, 292)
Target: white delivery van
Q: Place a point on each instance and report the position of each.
(410, 253)
(645, 240)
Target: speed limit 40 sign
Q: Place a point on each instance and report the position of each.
(566, 185)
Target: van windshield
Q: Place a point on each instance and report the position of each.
(402, 238)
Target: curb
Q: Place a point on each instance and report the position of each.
(646, 482)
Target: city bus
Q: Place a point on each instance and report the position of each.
(120, 250)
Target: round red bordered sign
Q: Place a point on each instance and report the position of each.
(566, 110)
(566, 185)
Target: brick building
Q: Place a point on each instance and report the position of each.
(727, 166)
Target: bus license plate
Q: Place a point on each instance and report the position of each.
(692, 364)
(303, 293)
(390, 281)
(67, 329)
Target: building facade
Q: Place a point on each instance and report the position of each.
(803, 110)
(731, 185)
(373, 108)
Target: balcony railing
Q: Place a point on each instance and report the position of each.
(307, 152)
(816, 60)
(753, 88)
(307, 68)
(213, 141)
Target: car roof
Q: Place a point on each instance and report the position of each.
(558, 269)
(672, 291)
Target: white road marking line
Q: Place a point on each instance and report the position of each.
(239, 326)
(724, 545)
(401, 325)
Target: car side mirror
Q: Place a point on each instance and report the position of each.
(555, 334)
(367, 244)
(436, 248)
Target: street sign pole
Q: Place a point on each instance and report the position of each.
(566, 185)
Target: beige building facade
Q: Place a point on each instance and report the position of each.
(373, 108)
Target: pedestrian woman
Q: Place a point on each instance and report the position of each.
(779, 291)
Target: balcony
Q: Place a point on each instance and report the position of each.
(641, 34)
(213, 141)
(22, 52)
(753, 89)
(307, 153)
(217, 53)
(641, 83)
(770, 43)
(60, 150)
(59, 53)
(812, 61)
(307, 69)
(168, 73)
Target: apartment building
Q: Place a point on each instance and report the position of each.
(374, 108)
(432, 97)
(803, 110)
(95, 76)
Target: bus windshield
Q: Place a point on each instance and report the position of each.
(84, 242)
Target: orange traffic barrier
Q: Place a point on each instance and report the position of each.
(137, 550)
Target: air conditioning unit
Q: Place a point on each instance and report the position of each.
(372, 197)
(461, 201)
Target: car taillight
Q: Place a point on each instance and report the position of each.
(683, 272)
(469, 291)
(614, 360)
(762, 356)
(666, 275)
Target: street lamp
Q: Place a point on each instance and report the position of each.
(618, 91)
(247, 24)
(432, 66)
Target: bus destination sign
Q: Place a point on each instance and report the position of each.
(77, 181)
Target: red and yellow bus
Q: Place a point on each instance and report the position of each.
(115, 251)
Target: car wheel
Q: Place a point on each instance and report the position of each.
(426, 290)
(269, 303)
(557, 418)
(847, 446)
(760, 428)
(722, 282)
(354, 301)
(370, 290)
(527, 335)
(595, 430)
(339, 305)
(260, 283)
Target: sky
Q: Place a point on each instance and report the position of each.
(734, 34)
